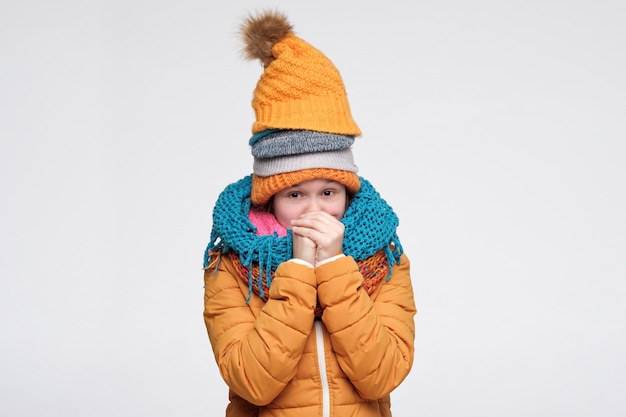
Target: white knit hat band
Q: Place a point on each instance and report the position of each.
(340, 159)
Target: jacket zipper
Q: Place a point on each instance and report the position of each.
(321, 360)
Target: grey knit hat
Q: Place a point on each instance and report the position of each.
(280, 151)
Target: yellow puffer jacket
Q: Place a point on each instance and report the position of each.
(279, 361)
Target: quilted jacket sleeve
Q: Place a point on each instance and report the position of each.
(372, 338)
(258, 356)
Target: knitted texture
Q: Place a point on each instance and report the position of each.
(263, 188)
(300, 87)
(266, 223)
(341, 159)
(284, 158)
(269, 144)
(370, 226)
(303, 128)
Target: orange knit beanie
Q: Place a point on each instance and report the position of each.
(300, 88)
(263, 188)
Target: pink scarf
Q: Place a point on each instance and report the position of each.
(266, 223)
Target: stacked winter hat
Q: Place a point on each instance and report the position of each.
(304, 128)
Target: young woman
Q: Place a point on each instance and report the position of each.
(308, 299)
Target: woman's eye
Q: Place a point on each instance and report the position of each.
(328, 193)
(294, 195)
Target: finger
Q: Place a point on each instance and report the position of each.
(318, 215)
(327, 239)
(318, 221)
(320, 233)
(304, 248)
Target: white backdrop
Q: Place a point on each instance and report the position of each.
(497, 130)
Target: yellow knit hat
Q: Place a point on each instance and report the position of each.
(300, 87)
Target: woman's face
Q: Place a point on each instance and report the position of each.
(312, 195)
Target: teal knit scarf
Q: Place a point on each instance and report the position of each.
(370, 225)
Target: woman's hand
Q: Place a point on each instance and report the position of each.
(303, 248)
(321, 229)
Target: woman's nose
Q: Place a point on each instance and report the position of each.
(313, 205)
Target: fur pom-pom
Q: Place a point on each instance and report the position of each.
(261, 32)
